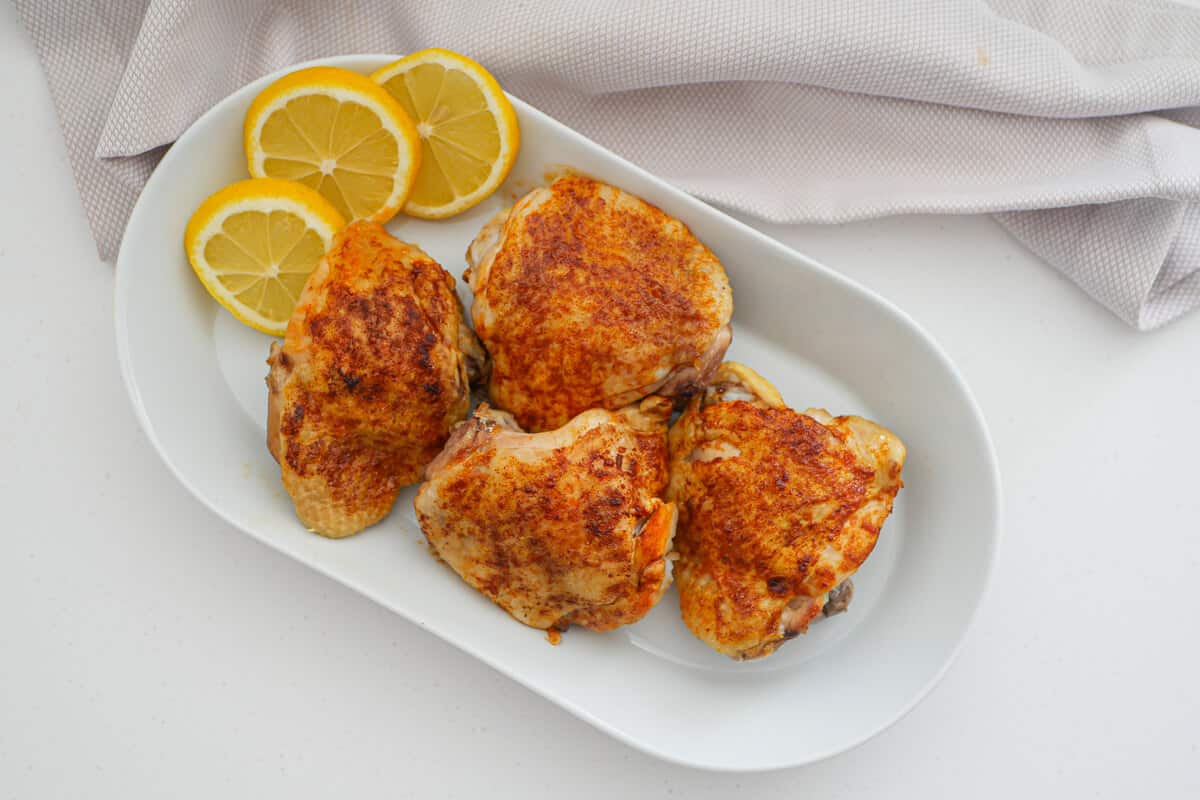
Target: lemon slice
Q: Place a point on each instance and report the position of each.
(338, 132)
(253, 244)
(469, 133)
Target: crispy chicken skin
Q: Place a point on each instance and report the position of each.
(588, 297)
(776, 510)
(370, 378)
(560, 527)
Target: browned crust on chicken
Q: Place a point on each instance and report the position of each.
(588, 297)
(776, 509)
(560, 527)
(369, 379)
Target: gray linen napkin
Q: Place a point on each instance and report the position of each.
(1077, 122)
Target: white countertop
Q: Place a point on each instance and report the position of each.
(148, 649)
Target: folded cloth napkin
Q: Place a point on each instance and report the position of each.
(1076, 122)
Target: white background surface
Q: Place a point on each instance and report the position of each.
(147, 649)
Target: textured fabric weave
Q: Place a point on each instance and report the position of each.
(1076, 121)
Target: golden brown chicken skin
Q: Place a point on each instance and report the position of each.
(371, 376)
(560, 527)
(777, 509)
(588, 297)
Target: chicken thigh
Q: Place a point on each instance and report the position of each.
(372, 374)
(588, 297)
(561, 527)
(776, 510)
